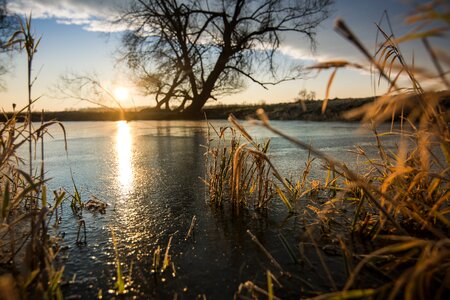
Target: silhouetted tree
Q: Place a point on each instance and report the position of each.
(8, 25)
(86, 87)
(190, 51)
(305, 95)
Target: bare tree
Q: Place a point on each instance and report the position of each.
(305, 95)
(8, 25)
(88, 88)
(190, 51)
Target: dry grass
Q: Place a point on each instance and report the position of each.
(27, 249)
(402, 202)
(241, 173)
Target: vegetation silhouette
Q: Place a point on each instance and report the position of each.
(188, 52)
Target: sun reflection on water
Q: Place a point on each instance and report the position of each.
(124, 156)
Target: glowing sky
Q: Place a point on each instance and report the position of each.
(77, 36)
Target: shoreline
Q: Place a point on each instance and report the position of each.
(280, 111)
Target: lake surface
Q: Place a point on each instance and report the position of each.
(149, 172)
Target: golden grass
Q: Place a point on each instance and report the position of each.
(28, 250)
(402, 202)
(240, 173)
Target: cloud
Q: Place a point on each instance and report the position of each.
(298, 53)
(92, 15)
(99, 16)
(95, 25)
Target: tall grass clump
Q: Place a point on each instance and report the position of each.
(411, 184)
(28, 250)
(240, 173)
(401, 201)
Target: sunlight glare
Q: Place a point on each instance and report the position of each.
(124, 156)
(121, 93)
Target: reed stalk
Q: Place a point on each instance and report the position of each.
(402, 202)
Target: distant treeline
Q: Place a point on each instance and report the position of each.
(311, 111)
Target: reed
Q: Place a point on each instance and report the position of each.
(28, 250)
(26, 40)
(119, 285)
(163, 265)
(401, 202)
(238, 172)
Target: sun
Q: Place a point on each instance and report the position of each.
(121, 93)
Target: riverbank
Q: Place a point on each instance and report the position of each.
(311, 111)
(307, 111)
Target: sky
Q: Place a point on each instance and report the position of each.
(77, 36)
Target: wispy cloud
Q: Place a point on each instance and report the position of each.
(99, 16)
(92, 15)
(298, 53)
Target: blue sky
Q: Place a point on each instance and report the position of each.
(77, 36)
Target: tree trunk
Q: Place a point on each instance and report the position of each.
(198, 102)
(195, 108)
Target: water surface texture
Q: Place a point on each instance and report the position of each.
(149, 173)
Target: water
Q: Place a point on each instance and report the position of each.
(148, 172)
